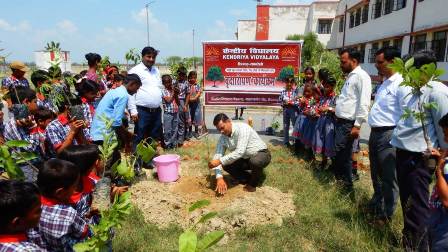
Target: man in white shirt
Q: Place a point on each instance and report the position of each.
(383, 118)
(144, 106)
(352, 109)
(247, 153)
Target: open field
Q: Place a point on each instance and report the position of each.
(324, 219)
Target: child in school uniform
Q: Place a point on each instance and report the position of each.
(20, 211)
(309, 124)
(63, 132)
(60, 225)
(323, 140)
(88, 91)
(42, 117)
(288, 100)
(182, 89)
(21, 130)
(303, 103)
(438, 202)
(38, 78)
(194, 105)
(170, 113)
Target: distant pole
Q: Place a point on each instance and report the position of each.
(147, 19)
(194, 61)
(147, 22)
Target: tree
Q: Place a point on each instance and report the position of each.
(53, 46)
(173, 60)
(214, 74)
(311, 50)
(285, 73)
(330, 61)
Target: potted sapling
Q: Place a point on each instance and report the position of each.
(20, 111)
(417, 79)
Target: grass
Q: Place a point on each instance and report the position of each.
(325, 220)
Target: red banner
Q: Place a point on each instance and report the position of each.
(246, 73)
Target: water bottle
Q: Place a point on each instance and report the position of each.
(445, 170)
(263, 124)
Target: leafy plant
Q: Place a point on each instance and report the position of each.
(11, 158)
(214, 74)
(189, 240)
(132, 55)
(275, 125)
(110, 142)
(417, 79)
(111, 218)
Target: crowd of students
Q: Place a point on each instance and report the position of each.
(51, 209)
(404, 155)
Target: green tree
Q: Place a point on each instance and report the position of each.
(171, 60)
(285, 73)
(311, 50)
(53, 46)
(214, 74)
(330, 61)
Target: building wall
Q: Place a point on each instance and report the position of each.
(287, 20)
(430, 17)
(246, 29)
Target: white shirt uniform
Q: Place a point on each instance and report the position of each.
(386, 111)
(354, 101)
(149, 95)
(243, 143)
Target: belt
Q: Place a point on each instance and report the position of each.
(386, 128)
(149, 109)
(342, 120)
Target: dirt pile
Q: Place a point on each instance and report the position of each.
(164, 204)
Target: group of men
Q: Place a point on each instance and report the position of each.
(398, 148)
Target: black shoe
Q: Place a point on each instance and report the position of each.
(196, 135)
(241, 118)
(234, 118)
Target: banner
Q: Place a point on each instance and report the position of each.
(247, 73)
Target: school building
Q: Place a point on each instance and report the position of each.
(276, 22)
(366, 25)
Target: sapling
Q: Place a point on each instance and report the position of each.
(190, 241)
(418, 79)
(111, 218)
(10, 159)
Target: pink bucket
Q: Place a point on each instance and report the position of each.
(167, 167)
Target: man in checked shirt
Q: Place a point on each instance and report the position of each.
(248, 155)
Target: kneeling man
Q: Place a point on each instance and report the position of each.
(247, 153)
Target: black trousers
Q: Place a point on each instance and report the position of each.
(413, 181)
(343, 144)
(239, 169)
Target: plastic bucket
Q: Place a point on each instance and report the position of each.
(167, 167)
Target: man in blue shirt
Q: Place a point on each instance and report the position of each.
(414, 172)
(112, 106)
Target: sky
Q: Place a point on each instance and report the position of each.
(113, 27)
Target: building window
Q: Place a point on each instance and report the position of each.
(324, 26)
(398, 43)
(352, 20)
(388, 6)
(438, 45)
(365, 14)
(376, 9)
(419, 43)
(358, 17)
(386, 43)
(401, 4)
(372, 52)
(341, 24)
(362, 51)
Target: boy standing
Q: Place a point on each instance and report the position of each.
(183, 89)
(170, 113)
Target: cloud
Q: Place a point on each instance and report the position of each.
(220, 30)
(67, 26)
(22, 26)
